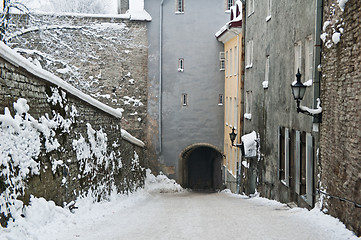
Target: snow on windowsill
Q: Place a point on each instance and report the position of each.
(249, 66)
(265, 84)
(248, 116)
(179, 13)
(180, 70)
(17, 60)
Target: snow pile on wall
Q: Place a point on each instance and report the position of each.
(250, 144)
(333, 28)
(20, 146)
(161, 183)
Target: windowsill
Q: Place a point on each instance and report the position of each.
(221, 69)
(250, 14)
(179, 13)
(220, 104)
(228, 11)
(249, 66)
(283, 181)
(268, 18)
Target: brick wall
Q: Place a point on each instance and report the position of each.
(90, 156)
(340, 139)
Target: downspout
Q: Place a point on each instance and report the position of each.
(317, 90)
(160, 73)
(317, 58)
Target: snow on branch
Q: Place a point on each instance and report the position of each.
(35, 29)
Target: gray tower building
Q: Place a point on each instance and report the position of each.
(185, 85)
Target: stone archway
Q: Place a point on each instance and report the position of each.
(200, 167)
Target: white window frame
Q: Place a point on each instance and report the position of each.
(179, 6)
(250, 7)
(230, 112)
(222, 61)
(308, 58)
(269, 10)
(235, 113)
(249, 54)
(227, 109)
(230, 63)
(229, 4)
(227, 66)
(235, 60)
(266, 72)
(298, 58)
(248, 104)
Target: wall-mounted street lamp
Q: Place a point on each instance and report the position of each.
(298, 92)
(233, 136)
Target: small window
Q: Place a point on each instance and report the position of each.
(221, 61)
(250, 7)
(229, 4)
(227, 66)
(235, 61)
(298, 58)
(249, 54)
(227, 110)
(180, 64)
(184, 99)
(266, 74)
(180, 6)
(235, 113)
(248, 105)
(220, 99)
(308, 59)
(230, 63)
(269, 7)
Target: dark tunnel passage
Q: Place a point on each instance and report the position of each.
(202, 169)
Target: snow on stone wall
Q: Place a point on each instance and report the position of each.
(105, 57)
(56, 146)
(340, 129)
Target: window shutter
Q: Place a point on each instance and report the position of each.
(287, 157)
(298, 162)
(309, 169)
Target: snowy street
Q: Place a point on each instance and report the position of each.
(163, 210)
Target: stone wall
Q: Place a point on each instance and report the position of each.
(340, 129)
(105, 57)
(56, 146)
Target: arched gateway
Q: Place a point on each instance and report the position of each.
(200, 167)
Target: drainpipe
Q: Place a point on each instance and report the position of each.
(160, 73)
(317, 58)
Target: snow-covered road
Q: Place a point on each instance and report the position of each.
(163, 210)
(191, 215)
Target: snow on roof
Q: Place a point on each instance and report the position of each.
(235, 21)
(17, 60)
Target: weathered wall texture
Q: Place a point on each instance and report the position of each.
(185, 35)
(273, 107)
(340, 129)
(102, 56)
(73, 147)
